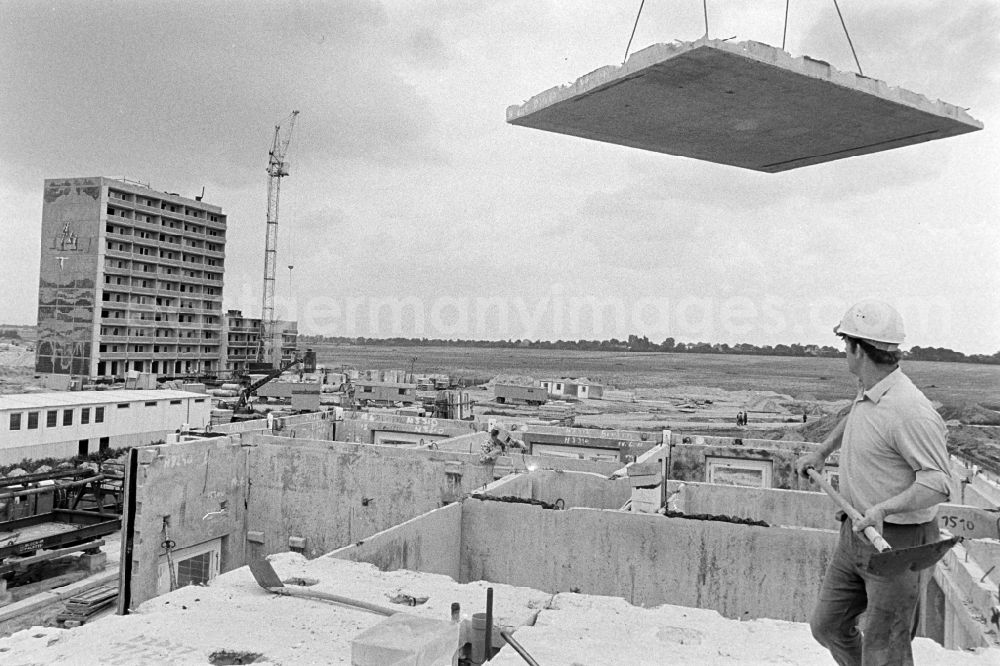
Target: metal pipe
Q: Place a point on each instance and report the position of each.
(488, 639)
(518, 648)
(51, 488)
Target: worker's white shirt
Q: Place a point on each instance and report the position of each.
(893, 438)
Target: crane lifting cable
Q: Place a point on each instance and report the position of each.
(745, 104)
(277, 168)
(784, 32)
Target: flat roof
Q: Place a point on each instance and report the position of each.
(744, 104)
(13, 401)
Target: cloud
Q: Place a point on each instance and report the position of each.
(167, 93)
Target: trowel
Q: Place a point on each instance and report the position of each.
(888, 561)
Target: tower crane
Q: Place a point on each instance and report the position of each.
(277, 168)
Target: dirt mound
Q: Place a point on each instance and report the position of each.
(815, 430)
(970, 414)
(975, 444)
(516, 380)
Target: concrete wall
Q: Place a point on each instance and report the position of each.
(580, 489)
(319, 425)
(468, 443)
(337, 493)
(430, 543)
(182, 483)
(967, 601)
(626, 445)
(361, 426)
(777, 507)
(808, 508)
(688, 460)
(647, 559)
(575, 489)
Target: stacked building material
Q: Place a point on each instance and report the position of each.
(84, 606)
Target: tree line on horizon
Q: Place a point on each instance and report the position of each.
(643, 344)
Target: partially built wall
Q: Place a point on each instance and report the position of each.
(253, 494)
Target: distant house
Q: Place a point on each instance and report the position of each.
(520, 395)
(386, 393)
(567, 387)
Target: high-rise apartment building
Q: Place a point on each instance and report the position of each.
(241, 341)
(131, 279)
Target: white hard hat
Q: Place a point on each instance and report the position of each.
(874, 321)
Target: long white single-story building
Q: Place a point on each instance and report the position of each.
(61, 424)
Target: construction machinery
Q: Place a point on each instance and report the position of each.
(277, 168)
(242, 407)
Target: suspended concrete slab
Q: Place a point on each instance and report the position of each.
(745, 104)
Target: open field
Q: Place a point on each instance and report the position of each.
(805, 378)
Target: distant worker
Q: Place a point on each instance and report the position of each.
(497, 446)
(894, 470)
(804, 417)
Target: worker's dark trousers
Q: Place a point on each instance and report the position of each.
(892, 603)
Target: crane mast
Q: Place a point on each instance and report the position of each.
(277, 168)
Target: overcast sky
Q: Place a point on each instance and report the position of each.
(413, 209)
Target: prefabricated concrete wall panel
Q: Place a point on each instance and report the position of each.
(319, 425)
(744, 104)
(714, 440)
(962, 627)
(184, 483)
(811, 509)
(468, 443)
(777, 507)
(981, 492)
(512, 485)
(580, 489)
(544, 462)
(334, 493)
(741, 571)
(688, 462)
(430, 543)
(361, 427)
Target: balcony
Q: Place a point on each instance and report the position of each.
(118, 237)
(114, 252)
(116, 270)
(164, 261)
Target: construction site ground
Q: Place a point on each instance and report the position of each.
(233, 620)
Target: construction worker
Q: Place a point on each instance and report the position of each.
(497, 446)
(894, 470)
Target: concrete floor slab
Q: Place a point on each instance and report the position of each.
(745, 104)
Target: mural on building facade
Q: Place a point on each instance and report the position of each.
(68, 269)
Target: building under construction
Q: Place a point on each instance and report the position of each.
(699, 537)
